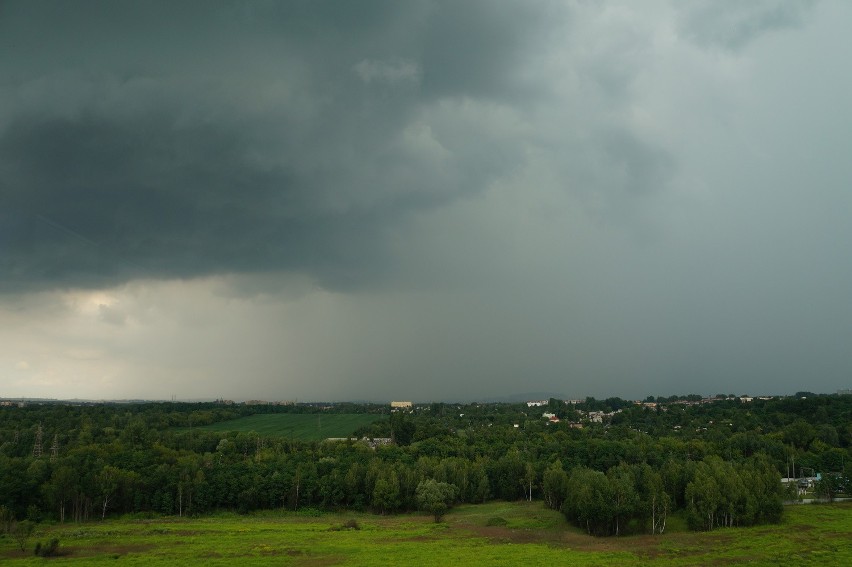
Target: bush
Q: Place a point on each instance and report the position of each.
(49, 550)
(351, 524)
(496, 521)
(22, 532)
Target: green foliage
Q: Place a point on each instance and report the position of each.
(143, 459)
(22, 531)
(554, 486)
(654, 502)
(828, 486)
(589, 501)
(724, 494)
(800, 434)
(436, 497)
(300, 427)
(350, 524)
(50, 549)
(402, 429)
(386, 495)
(7, 519)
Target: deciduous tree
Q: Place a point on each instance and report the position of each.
(436, 497)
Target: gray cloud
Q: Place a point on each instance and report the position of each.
(732, 25)
(111, 315)
(244, 141)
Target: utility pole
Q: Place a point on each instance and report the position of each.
(54, 449)
(37, 444)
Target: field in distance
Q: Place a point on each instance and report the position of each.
(296, 426)
(497, 533)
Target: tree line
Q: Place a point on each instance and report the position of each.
(625, 476)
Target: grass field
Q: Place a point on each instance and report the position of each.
(297, 426)
(527, 535)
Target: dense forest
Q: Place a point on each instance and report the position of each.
(611, 466)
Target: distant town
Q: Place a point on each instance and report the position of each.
(651, 401)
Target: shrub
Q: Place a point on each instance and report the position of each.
(49, 550)
(351, 524)
(22, 532)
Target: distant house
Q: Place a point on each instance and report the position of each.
(598, 416)
(401, 405)
(537, 403)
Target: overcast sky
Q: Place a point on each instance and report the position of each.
(424, 200)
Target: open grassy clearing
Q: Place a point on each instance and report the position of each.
(498, 533)
(296, 426)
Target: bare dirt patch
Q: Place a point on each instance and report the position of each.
(642, 545)
(90, 551)
(288, 551)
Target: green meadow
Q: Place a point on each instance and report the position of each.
(296, 426)
(497, 533)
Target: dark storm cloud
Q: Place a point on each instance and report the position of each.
(479, 48)
(161, 140)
